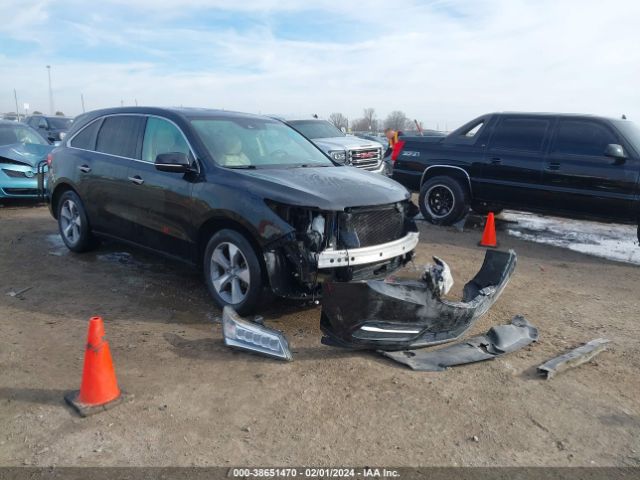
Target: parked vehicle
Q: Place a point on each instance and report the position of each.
(572, 165)
(247, 198)
(54, 128)
(22, 149)
(343, 148)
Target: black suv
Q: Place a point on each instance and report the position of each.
(574, 165)
(246, 197)
(53, 128)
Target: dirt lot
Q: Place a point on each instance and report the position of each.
(198, 403)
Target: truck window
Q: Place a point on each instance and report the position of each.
(520, 134)
(119, 135)
(579, 137)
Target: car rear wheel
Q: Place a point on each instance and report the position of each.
(233, 273)
(73, 223)
(443, 200)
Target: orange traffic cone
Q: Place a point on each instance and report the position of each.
(99, 388)
(489, 235)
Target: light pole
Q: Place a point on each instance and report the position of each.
(51, 109)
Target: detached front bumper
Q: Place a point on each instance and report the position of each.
(366, 255)
(403, 314)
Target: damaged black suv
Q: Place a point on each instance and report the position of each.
(246, 197)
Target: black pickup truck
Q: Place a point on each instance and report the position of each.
(572, 165)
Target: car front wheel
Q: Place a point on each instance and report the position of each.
(73, 223)
(233, 273)
(443, 200)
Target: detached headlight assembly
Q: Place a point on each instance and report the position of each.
(340, 156)
(244, 335)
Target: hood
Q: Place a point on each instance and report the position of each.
(345, 143)
(28, 153)
(327, 188)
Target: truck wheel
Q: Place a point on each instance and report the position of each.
(73, 223)
(233, 273)
(443, 200)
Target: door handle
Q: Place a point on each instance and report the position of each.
(84, 168)
(553, 166)
(496, 161)
(137, 180)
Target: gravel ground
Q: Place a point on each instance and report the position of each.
(197, 403)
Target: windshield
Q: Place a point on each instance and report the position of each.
(316, 128)
(10, 134)
(256, 142)
(60, 123)
(631, 132)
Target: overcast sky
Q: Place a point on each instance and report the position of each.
(442, 62)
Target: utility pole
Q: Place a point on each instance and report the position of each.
(51, 109)
(15, 95)
(82, 101)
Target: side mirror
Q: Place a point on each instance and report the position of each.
(175, 162)
(614, 150)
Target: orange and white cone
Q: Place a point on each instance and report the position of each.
(489, 234)
(99, 388)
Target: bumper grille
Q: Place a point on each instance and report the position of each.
(364, 228)
(366, 158)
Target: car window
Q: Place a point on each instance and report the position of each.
(473, 130)
(582, 138)
(10, 134)
(161, 136)
(60, 123)
(317, 128)
(520, 134)
(86, 139)
(120, 134)
(42, 123)
(256, 142)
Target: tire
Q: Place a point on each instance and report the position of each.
(235, 259)
(482, 209)
(443, 200)
(73, 223)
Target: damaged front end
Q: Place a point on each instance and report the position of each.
(339, 246)
(401, 314)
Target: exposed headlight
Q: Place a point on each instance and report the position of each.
(239, 333)
(338, 156)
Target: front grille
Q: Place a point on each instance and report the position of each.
(366, 158)
(21, 191)
(364, 228)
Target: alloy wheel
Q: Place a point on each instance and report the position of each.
(70, 222)
(230, 274)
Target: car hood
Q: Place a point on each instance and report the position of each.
(28, 153)
(345, 143)
(327, 188)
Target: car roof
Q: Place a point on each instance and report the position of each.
(186, 112)
(553, 114)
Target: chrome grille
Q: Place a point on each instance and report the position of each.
(366, 158)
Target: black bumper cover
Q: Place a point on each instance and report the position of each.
(402, 314)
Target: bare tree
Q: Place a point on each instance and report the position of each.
(59, 114)
(369, 115)
(360, 125)
(339, 120)
(396, 120)
(36, 112)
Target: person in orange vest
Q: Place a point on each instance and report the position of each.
(392, 136)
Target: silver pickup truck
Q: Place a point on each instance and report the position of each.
(343, 148)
